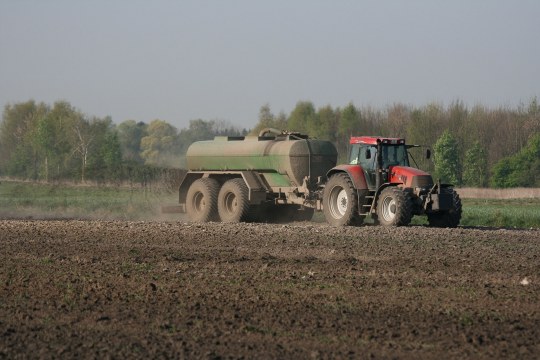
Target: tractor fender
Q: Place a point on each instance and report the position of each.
(379, 190)
(355, 172)
(384, 186)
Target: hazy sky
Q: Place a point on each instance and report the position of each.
(221, 60)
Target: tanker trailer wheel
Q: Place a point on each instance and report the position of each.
(340, 202)
(201, 200)
(450, 218)
(233, 201)
(394, 207)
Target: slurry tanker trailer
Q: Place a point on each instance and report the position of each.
(281, 175)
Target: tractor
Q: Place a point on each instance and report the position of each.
(379, 181)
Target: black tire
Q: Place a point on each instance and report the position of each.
(450, 218)
(340, 201)
(201, 200)
(233, 201)
(394, 207)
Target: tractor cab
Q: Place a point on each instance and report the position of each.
(364, 152)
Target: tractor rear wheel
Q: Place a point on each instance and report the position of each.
(201, 200)
(450, 218)
(233, 201)
(394, 207)
(340, 201)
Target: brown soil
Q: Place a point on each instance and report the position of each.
(98, 289)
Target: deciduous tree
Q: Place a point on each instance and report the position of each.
(19, 149)
(159, 142)
(475, 172)
(446, 157)
(303, 117)
(130, 134)
(521, 169)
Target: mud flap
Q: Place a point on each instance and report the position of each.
(257, 189)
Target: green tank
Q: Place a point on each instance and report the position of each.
(284, 159)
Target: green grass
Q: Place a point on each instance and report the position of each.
(519, 213)
(31, 200)
(500, 213)
(505, 213)
(27, 200)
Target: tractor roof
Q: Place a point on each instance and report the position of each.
(372, 140)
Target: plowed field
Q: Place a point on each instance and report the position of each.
(98, 289)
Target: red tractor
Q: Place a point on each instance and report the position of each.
(379, 181)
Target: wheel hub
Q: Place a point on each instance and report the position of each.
(199, 202)
(231, 202)
(389, 209)
(338, 202)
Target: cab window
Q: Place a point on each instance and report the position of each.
(363, 155)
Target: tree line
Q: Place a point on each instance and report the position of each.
(59, 142)
(476, 146)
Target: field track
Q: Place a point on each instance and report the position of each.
(98, 289)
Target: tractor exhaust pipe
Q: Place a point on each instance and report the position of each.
(379, 166)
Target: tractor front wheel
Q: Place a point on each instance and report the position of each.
(394, 207)
(450, 218)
